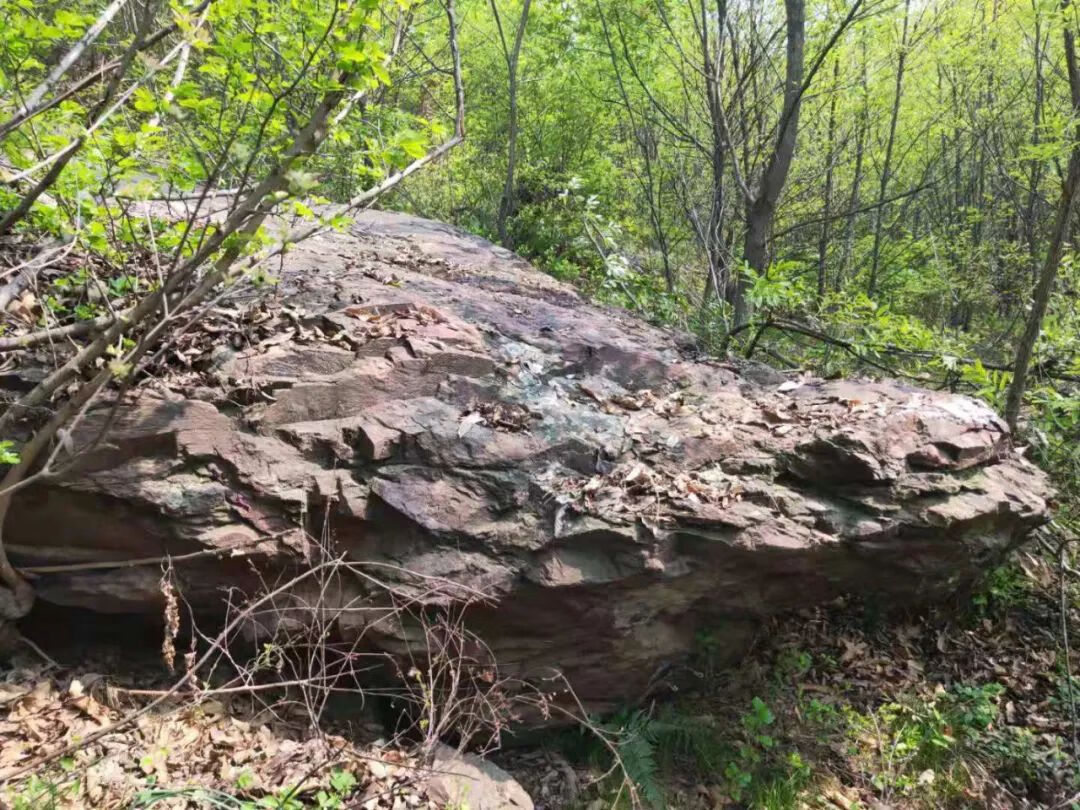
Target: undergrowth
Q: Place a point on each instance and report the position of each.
(849, 707)
(57, 791)
(337, 795)
(43, 793)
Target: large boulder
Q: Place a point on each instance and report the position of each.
(441, 407)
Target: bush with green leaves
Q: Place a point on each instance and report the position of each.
(155, 142)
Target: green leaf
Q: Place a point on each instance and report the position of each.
(7, 453)
(343, 782)
(350, 55)
(144, 100)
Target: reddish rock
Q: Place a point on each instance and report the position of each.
(457, 414)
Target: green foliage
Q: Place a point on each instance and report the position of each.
(255, 71)
(43, 793)
(916, 748)
(7, 453)
(1003, 587)
(760, 772)
(631, 734)
(337, 795)
(750, 764)
(923, 743)
(782, 290)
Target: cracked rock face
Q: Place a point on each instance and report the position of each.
(453, 412)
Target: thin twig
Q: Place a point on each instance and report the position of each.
(107, 565)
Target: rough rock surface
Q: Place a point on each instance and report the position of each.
(459, 414)
(468, 781)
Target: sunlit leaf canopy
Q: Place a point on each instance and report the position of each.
(214, 94)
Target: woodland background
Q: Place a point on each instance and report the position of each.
(880, 187)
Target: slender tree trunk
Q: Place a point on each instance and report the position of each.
(886, 169)
(856, 181)
(1035, 175)
(823, 239)
(1062, 221)
(506, 201)
(718, 266)
(654, 191)
(648, 144)
(761, 206)
(761, 201)
(512, 55)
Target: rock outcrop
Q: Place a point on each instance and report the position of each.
(452, 412)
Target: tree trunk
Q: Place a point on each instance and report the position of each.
(823, 239)
(1066, 205)
(761, 207)
(856, 181)
(506, 201)
(1030, 226)
(648, 145)
(886, 169)
(713, 69)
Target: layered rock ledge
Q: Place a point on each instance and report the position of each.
(442, 407)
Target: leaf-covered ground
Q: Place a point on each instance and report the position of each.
(213, 753)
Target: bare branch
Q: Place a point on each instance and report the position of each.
(33, 100)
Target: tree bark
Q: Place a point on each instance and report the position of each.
(102, 109)
(761, 206)
(856, 181)
(1062, 220)
(35, 97)
(511, 54)
(718, 157)
(1030, 226)
(648, 146)
(823, 239)
(886, 169)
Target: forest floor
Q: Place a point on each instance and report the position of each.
(210, 753)
(964, 705)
